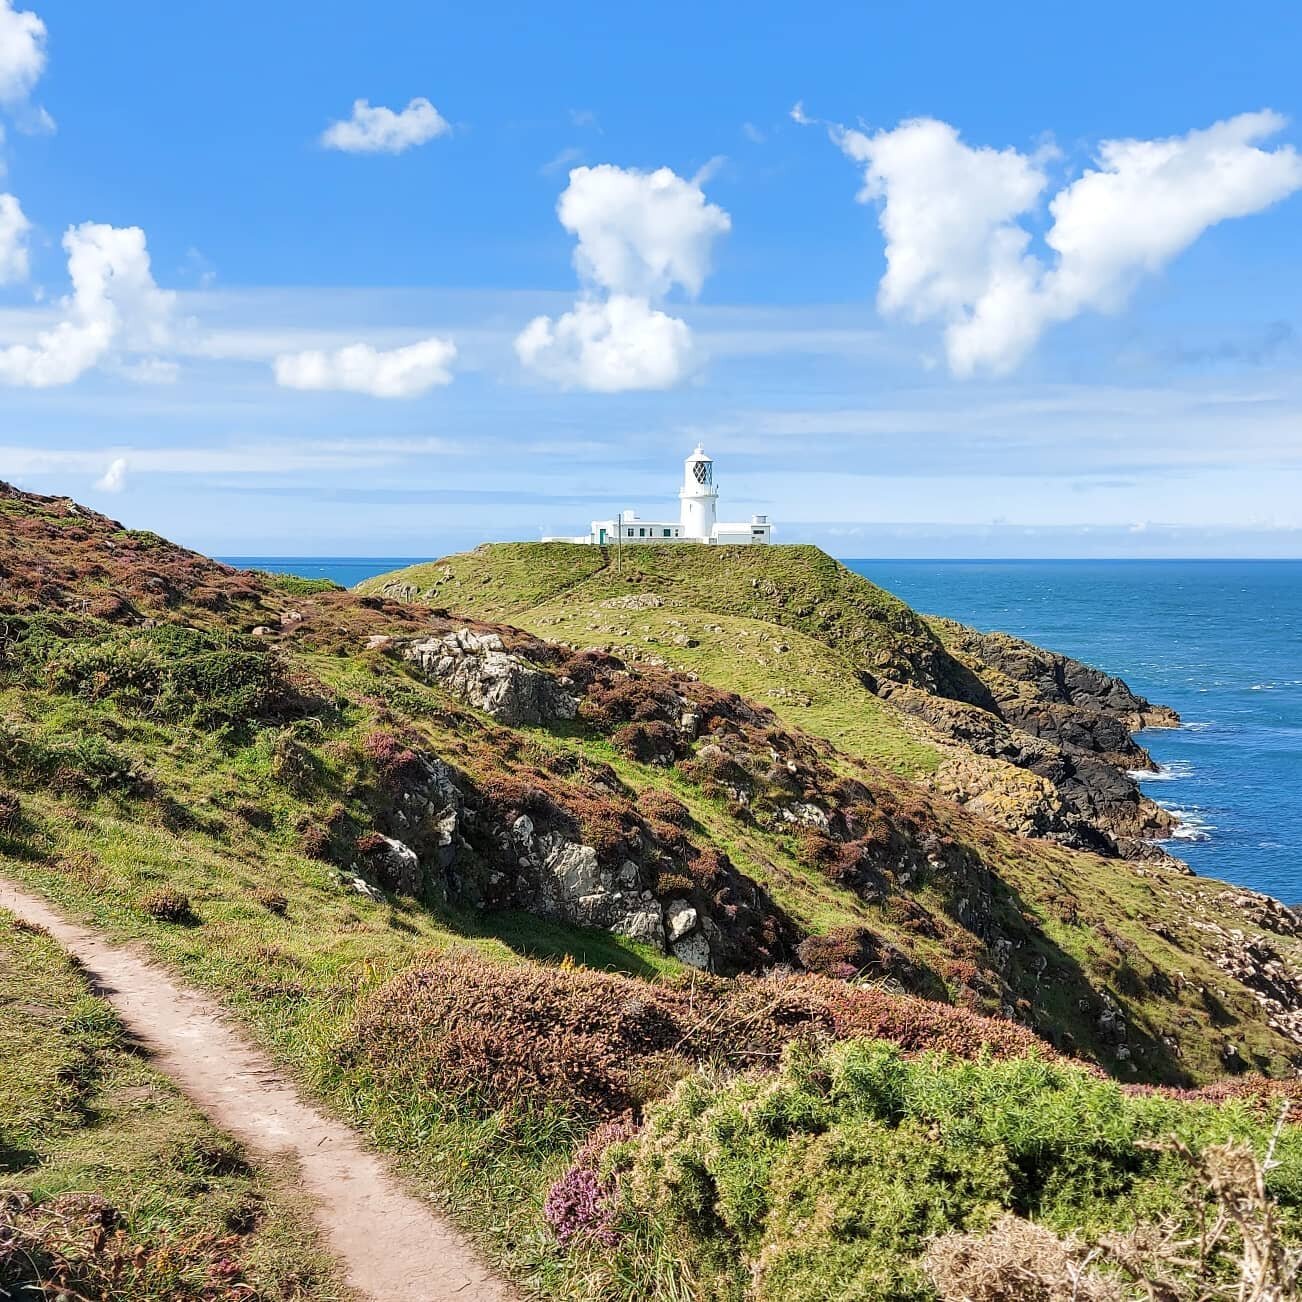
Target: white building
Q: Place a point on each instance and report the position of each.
(697, 522)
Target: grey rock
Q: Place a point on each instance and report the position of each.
(644, 926)
(479, 671)
(694, 950)
(681, 918)
(398, 865)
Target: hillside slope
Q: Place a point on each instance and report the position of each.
(371, 827)
(1037, 742)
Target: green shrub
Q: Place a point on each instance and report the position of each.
(295, 585)
(86, 764)
(190, 675)
(829, 1178)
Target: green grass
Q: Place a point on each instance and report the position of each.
(794, 586)
(82, 1112)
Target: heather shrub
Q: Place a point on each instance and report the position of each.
(583, 1204)
(597, 1044)
(660, 806)
(166, 905)
(502, 1037)
(314, 842)
(11, 814)
(273, 901)
(394, 761)
(830, 1177)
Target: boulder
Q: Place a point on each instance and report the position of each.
(681, 918)
(478, 670)
(694, 950)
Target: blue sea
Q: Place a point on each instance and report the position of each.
(1219, 641)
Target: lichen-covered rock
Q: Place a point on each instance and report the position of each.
(694, 950)
(479, 670)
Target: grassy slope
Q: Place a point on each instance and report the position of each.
(296, 979)
(1097, 915)
(86, 1114)
(833, 625)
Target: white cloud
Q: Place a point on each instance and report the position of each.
(22, 52)
(380, 130)
(114, 479)
(260, 458)
(957, 250)
(798, 114)
(608, 346)
(639, 235)
(640, 232)
(114, 304)
(398, 373)
(14, 228)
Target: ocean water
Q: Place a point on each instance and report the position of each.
(1219, 641)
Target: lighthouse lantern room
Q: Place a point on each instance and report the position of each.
(698, 499)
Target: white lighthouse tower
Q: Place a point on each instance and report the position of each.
(699, 496)
(697, 521)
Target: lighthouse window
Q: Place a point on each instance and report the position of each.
(666, 533)
(703, 470)
(641, 533)
(630, 533)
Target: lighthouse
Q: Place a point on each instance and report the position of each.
(698, 500)
(699, 496)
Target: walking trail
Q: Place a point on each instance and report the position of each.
(393, 1247)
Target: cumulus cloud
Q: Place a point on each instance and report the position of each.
(380, 130)
(114, 304)
(359, 368)
(14, 228)
(608, 346)
(639, 234)
(22, 52)
(958, 250)
(114, 479)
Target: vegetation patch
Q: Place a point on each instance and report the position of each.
(831, 1177)
(596, 1044)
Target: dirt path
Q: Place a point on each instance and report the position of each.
(393, 1247)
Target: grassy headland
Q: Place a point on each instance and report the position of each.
(464, 879)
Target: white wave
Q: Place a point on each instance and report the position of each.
(1191, 827)
(1172, 772)
(1196, 727)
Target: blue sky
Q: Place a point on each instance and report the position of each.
(1079, 348)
